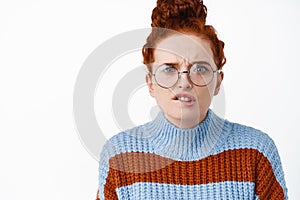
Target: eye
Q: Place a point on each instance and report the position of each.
(169, 69)
(199, 68)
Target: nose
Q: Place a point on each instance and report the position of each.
(184, 80)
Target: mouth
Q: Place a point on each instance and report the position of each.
(185, 98)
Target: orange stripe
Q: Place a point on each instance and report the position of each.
(242, 165)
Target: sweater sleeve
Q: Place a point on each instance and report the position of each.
(106, 188)
(270, 182)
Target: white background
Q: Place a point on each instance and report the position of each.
(44, 43)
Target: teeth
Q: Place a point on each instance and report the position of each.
(184, 99)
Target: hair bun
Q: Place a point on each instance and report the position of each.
(168, 12)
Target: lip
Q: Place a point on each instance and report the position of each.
(187, 95)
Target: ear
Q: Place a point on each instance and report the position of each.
(220, 77)
(150, 85)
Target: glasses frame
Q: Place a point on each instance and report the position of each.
(184, 72)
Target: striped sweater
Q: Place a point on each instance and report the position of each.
(217, 159)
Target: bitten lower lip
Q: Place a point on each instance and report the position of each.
(187, 103)
(181, 96)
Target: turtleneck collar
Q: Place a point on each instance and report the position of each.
(184, 144)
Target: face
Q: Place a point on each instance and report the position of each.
(184, 104)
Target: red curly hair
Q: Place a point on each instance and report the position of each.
(185, 16)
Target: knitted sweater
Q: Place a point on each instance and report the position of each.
(217, 159)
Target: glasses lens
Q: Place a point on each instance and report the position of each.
(166, 75)
(201, 74)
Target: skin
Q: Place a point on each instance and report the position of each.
(183, 50)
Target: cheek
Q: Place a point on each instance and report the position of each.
(162, 95)
(210, 89)
(205, 94)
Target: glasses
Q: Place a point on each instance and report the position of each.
(200, 73)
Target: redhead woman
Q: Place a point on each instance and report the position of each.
(188, 151)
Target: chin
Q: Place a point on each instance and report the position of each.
(183, 114)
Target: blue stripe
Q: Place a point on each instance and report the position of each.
(223, 190)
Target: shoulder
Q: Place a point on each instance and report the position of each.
(127, 137)
(243, 136)
(239, 136)
(130, 140)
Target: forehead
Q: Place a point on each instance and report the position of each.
(177, 47)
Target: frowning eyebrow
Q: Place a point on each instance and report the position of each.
(176, 64)
(200, 62)
(171, 63)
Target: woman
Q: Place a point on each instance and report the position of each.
(187, 151)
